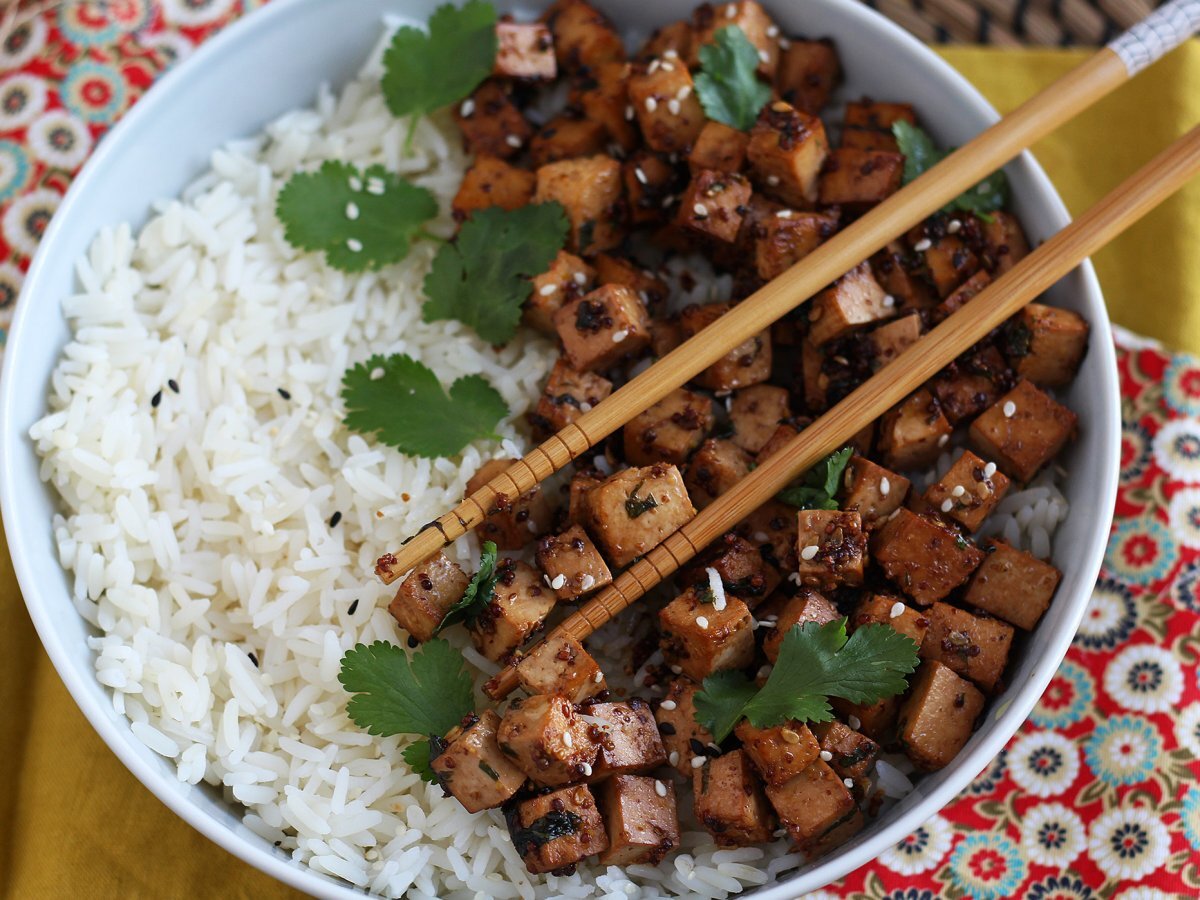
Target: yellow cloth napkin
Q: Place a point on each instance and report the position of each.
(74, 822)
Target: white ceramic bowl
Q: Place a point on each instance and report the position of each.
(274, 60)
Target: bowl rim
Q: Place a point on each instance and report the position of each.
(1003, 725)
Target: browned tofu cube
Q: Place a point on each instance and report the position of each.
(748, 363)
(718, 148)
(1013, 585)
(960, 296)
(832, 546)
(519, 606)
(567, 137)
(912, 434)
(560, 665)
(426, 595)
(881, 116)
(872, 491)
(786, 151)
(876, 721)
(599, 329)
(890, 340)
(1005, 242)
(971, 384)
(671, 41)
(665, 335)
(571, 816)
(780, 438)
(854, 300)
(948, 261)
(1023, 431)
(628, 738)
(807, 74)
(853, 754)
(859, 179)
(923, 557)
(772, 528)
(816, 382)
(751, 18)
(968, 492)
(786, 237)
(739, 566)
(712, 205)
(583, 37)
(650, 186)
(636, 509)
(490, 122)
(806, 606)
(546, 739)
(756, 412)
(492, 182)
(813, 804)
(701, 639)
(567, 396)
(669, 430)
(581, 485)
(938, 716)
(873, 139)
(779, 752)
(513, 522)
(590, 191)
(664, 100)
(605, 99)
(892, 611)
(730, 803)
(472, 767)
(568, 278)
(899, 272)
(714, 468)
(683, 737)
(650, 288)
(641, 817)
(572, 564)
(975, 647)
(525, 51)
(1047, 344)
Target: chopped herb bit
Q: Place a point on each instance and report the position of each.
(554, 824)
(1017, 339)
(727, 84)
(921, 154)
(635, 505)
(489, 771)
(419, 755)
(819, 486)
(960, 542)
(478, 593)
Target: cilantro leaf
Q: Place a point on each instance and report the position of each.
(921, 155)
(419, 755)
(482, 279)
(819, 486)
(815, 662)
(426, 71)
(407, 408)
(727, 83)
(478, 593)
(394, 693)
(361, 220)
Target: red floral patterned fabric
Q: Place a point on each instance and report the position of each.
(1095, 797)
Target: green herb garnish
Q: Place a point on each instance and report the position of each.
(921, 154)
(819, 486)
(478, 593)
(554, 824)
(635, 505)
(727, 84)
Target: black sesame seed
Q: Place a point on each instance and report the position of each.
(413, 643)
(253, 658)
(156, 399)
(173, 385)
(353, 607)
(286, 395)
(697, 747)
(334, 519)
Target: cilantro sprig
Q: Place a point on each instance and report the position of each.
(403, 404)
(478, 593)
(921, 155)
(727, 84)
(819, 485)
(815, 662)
(482, 278)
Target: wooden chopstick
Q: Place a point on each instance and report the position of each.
(1152, 184)
(1110, 67)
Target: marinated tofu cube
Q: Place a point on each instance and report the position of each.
(671, 41)
(892, 611)
(567, 396)
(472, 767)
(514, 521)
(968, 492)
(718, 148)
(813, 804)
(712, 205)
(1023, 431)
(628, 738)
(567, 137)
(807, 74)
(651, 289)
(426, 595)
(1013, 585)
(684, 739)
(669, 430)
(519, 606)
(971, 384)
(854, 300)
(806, 606)
(560, 665)
(923, 557)
(492, 182)
(650, 185)
(714, 468)
(730, 803)
(748, 363)
(641, 817)
(1047, 344)
(890, 340)
(583, 37)
(568, 278)
(853, 754)
(780, 752)
(546, 739)
(786, 237)
(525, 51)
(938, 716)
(868, 124)
(739, 567)
(772, 528)
(751, 18)
(636, 510)
(664, 100)
(590, 191)
(665, 335)
(756, 412)
(832, 546)
(1005, 242)
(872, 491)
(872, 139)
(599, 329)
(490, 122)
(948, 261)
(899, 272)
(912, 434)
(780, 438)
(963, 294)
(571, 821)
(975, 647)
(605, 99)
(876, 721)
(787, 150)
(816, 382)
(572, 564)
(859, 179)
(701, 638)
(582, 483)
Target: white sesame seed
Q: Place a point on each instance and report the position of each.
(773, 180)
(1010, 409)
(684, 92)
(848, 782)
(580, 278)
(677, 670)
(764, 672)
(546, 579)
(355, 184)
(826, 755)
(673, 759)
(784, 43)
(667, 67)
(854, 722)
(885, 486)
(586, 769)
(764, 56)
(354, 244)
(377, 373)
(559, 580)
(779, 832)
(673, 106)
(598, 677)
(660, 788)
(668, 705)
(922, 245)
(809, 552)
(588, 581)
(943, 440)
(897, 610)
(700, 210)
(584, 406)
(731, 11)
(889, 301)
(671, 54)
(651, 104)
(784, 214)
(702, 621)
(375, 186)
(568, 740)
(653, 67)
(947, 505)
(513, 141)
(532, 526)
(547, 289)
(619, 336)
(794, 578)
(698, 761)
(668, 200)
(989, 470)
(954, 227)
(958, 491)
(772, 31)
(351, 211)
(640, 175)
(761, 536)
(629, 112)
(467, 108)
